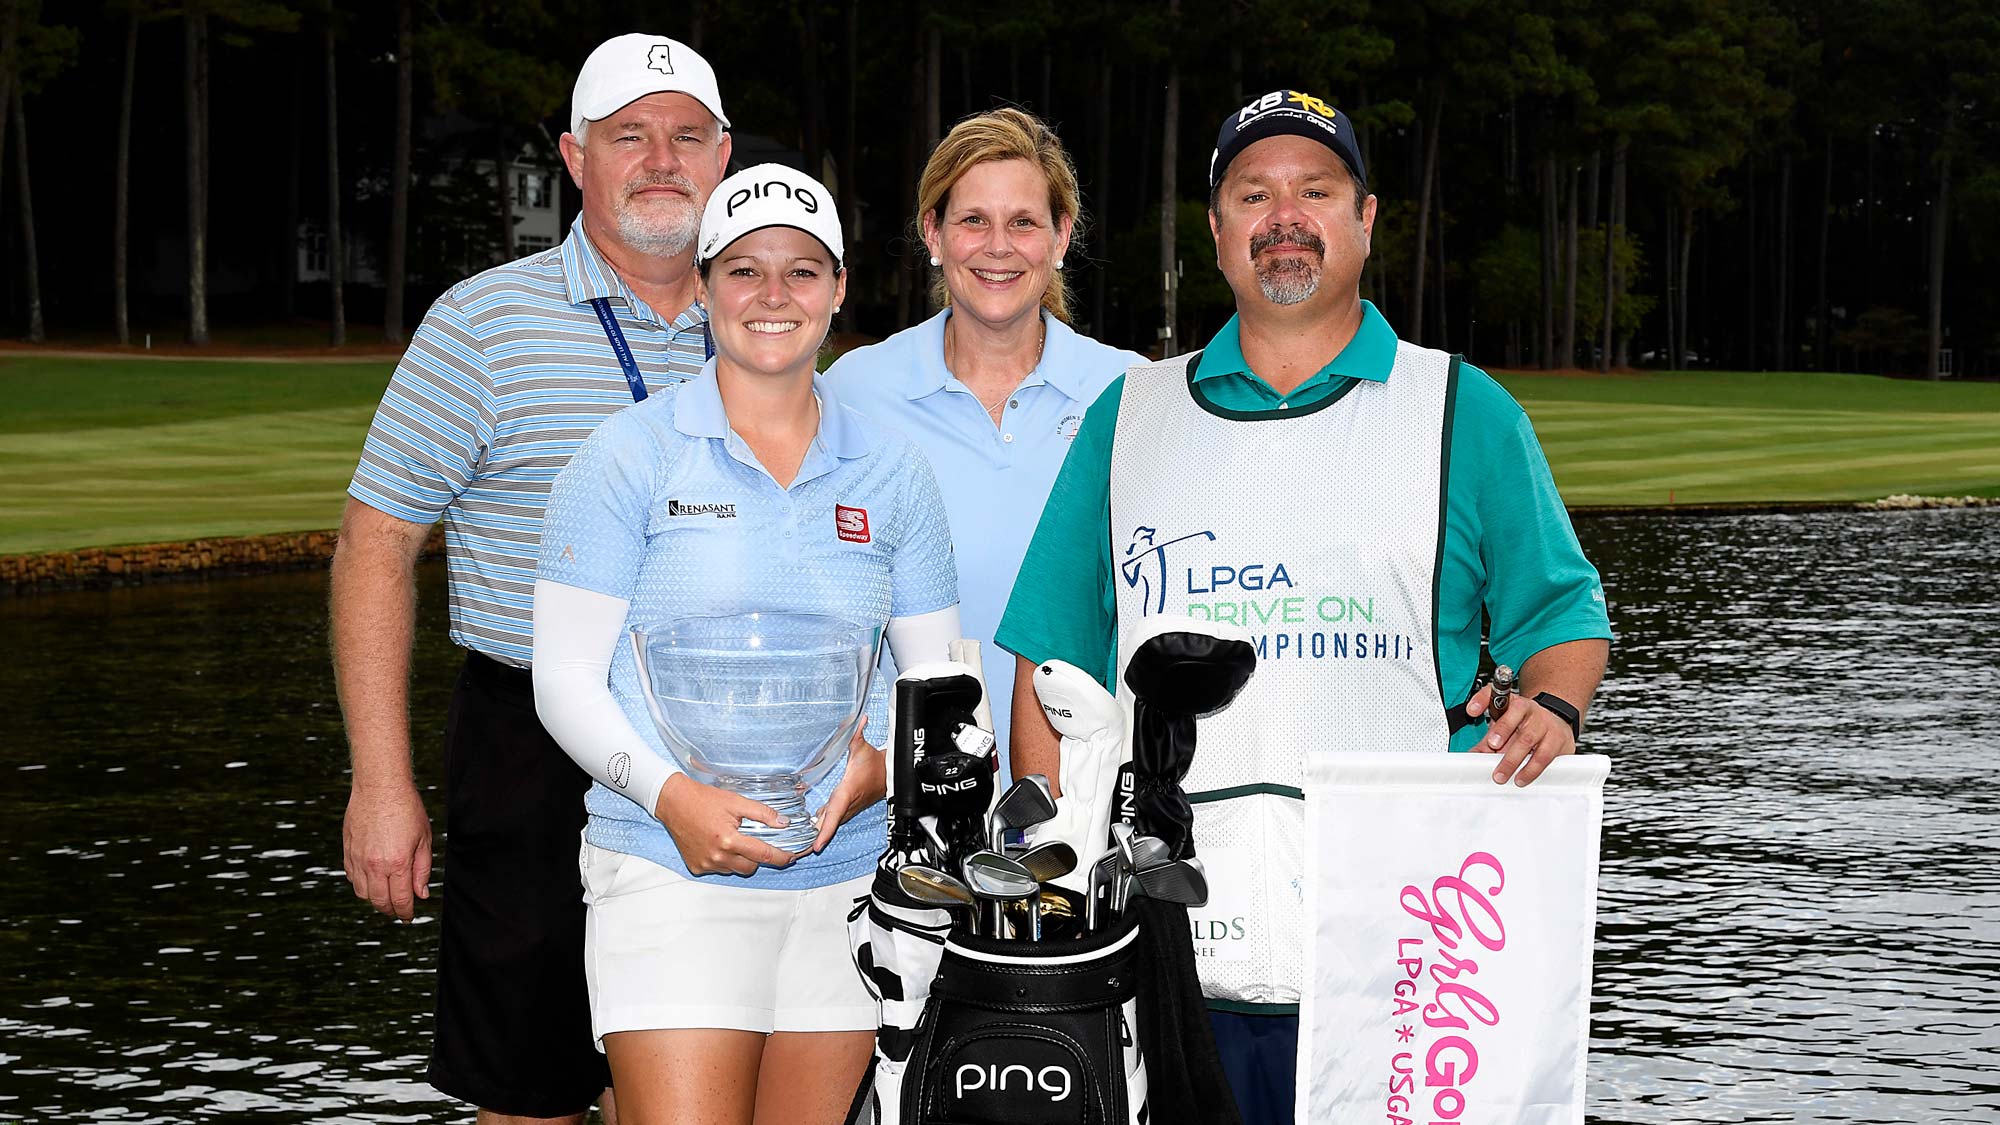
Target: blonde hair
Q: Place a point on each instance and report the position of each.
(1003, 134)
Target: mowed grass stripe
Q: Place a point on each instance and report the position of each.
(242, 474)
(99, 452)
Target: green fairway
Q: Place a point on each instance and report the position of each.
(98, 452)
(1732, 437)
(103, 452)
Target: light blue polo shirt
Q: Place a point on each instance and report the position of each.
(666, 507)
(994, 478)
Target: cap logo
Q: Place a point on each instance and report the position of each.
(1311, 103)
(769, 188)
(660, 58)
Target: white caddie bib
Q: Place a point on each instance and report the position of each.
(1317, 532)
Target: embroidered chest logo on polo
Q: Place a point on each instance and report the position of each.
(683, 508)
(1067, 428)
(851, 524)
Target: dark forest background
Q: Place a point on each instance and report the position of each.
(1764, 184)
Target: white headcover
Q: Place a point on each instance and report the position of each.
(1092, 727)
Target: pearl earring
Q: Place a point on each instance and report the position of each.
(836, 308)
(934, 261)
(1059, 263)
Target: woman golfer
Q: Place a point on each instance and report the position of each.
(720, 985)
(993, 387)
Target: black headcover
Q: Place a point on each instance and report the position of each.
(1176, 678)
(929, 711)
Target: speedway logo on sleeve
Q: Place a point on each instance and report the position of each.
(1451, 923)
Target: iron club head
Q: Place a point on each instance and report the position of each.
(932, 887)
(1026, 803)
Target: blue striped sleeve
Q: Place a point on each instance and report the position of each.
(435, 422)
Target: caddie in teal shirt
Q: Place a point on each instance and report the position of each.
(1502, 515)
(1362, 507)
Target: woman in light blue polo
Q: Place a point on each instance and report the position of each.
(993, 387)
(719, 976)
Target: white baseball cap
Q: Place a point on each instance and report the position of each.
(769, 195)
(624, 69)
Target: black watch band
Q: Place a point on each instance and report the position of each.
(1563, 709)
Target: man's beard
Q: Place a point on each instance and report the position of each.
(1288, 280)
(650, 231)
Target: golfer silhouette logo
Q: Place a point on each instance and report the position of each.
(1145, 567)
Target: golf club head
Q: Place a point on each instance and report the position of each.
(1183, 881)
(1050, 860)
(1149, 851)
(1103, 874)
(1026, 804)
(932, 887)
(994, 878)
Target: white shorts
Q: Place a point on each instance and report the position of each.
(665, 951)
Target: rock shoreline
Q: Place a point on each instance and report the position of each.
(92, 568)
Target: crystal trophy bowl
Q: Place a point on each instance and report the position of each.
(760, 704)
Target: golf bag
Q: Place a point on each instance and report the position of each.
(1018, 1034)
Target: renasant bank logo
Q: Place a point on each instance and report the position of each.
(719, 511)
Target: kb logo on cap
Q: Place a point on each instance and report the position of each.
(770, 189)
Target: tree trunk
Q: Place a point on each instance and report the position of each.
(697, 23)
(503, 190)
(1170, 151)
(1621, 219)
(1429, 181)
(908, 279)
(1822, 331)
(1551, 234)
(1686, 252)
(288, 269)
(1610, 257)
(1566, 354)
(1437, 243)
(1781, 321)
(933, 88)
(121, 213)
(399, 185)
(964, 81)
(1940, 228)
(1750, 264)
(197, 160)
(1671, 348)
(815, 138)
(850, 197)
(336, 251)
(1101, 190)
(30, 265)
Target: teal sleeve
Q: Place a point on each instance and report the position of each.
(1062, 605)
(1510, 549)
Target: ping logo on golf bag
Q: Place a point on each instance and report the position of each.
(1055, 1081)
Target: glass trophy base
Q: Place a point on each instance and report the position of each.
(799, 832)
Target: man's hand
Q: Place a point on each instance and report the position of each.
(1527, 736)
(706, 824)
(386, 847)
(865, 782)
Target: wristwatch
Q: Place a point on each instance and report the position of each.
(1563, 709)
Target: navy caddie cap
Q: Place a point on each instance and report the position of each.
(1280, 113)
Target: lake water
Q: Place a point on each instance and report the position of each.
(1799, 915)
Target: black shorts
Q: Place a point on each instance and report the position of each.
(513, 1009)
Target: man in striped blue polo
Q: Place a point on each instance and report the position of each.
(509, 372)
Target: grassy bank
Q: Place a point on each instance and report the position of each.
(95, 452)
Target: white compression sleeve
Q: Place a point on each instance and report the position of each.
(576, 631)
(924, 638)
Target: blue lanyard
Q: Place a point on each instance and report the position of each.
(623, 350)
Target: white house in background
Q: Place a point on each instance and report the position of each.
(536, 192)
(537, 215)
